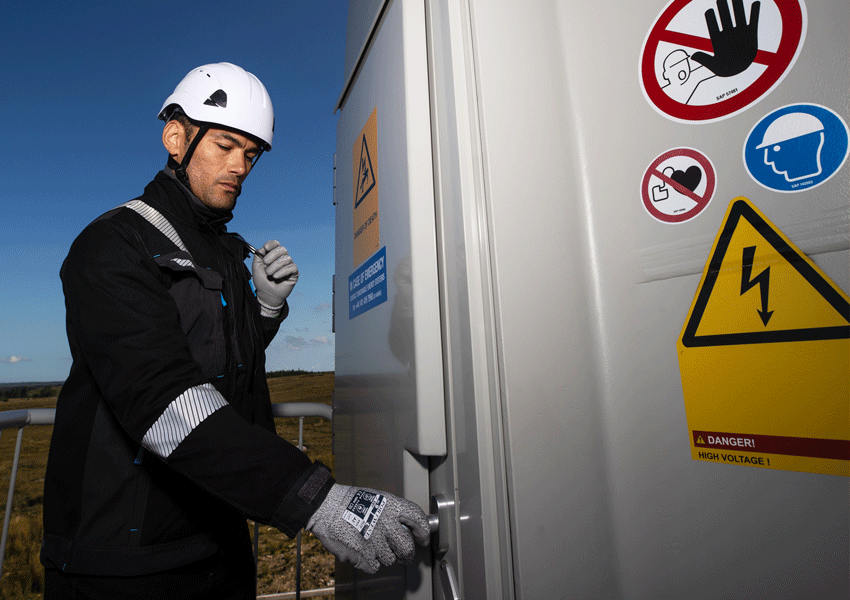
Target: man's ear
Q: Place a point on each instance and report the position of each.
(174, 139)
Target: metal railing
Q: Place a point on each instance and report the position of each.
(45, 416)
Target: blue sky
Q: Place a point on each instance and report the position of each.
(82, 85)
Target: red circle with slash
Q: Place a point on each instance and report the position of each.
(695, 188)
(775, 63)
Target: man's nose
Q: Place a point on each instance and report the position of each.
(239, 164)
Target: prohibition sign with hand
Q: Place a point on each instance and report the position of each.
(734, 49)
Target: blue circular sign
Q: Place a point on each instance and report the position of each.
(796, 147)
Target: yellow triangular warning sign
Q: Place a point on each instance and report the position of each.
(699, 440)
(757, 287)
(366, 174)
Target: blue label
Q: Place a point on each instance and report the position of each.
(796, 147)
(367, 286)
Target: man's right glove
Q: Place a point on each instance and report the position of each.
(275, 274)
(369, 528)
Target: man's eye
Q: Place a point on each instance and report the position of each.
(225, 148)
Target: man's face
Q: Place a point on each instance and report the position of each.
(221, 162)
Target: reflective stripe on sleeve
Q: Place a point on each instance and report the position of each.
(183, 262)
(178, 420)
(154, 217)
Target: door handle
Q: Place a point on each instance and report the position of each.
(442, 512)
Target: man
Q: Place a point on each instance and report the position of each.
(164, 441)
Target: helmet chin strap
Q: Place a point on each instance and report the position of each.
(180, 168)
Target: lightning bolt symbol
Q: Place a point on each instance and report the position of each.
(762, 280)
(365, 171)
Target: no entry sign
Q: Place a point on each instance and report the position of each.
(703, 61)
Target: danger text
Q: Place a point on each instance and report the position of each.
(741, 442)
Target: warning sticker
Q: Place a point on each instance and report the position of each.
(763, 354)
(678, 185)
(758, 288)
(796, 148)
(774, 444)
(702, 61)
(364, 510)
(364, 159)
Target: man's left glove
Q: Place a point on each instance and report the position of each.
(275, 274)
(369, 528)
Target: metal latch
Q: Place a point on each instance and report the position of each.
(442, 511)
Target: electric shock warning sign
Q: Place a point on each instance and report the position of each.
(764, 354)
(704, 60)
(364, 160)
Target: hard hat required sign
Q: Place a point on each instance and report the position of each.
(796, 148)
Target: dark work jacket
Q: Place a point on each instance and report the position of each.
(164, 441)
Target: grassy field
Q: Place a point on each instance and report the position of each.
(23, 575)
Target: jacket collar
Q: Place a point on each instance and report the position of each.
(179, 200)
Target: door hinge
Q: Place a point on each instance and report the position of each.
(334, 180)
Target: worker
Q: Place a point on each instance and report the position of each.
(164, 441)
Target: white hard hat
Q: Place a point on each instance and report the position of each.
(790, 126)
(227, 95)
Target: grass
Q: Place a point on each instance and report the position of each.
(23, 575)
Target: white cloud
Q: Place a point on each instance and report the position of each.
(14, 359)
(292, 342)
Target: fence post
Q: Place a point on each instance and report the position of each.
(298, 540)
(9, 497)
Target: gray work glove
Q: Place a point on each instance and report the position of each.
(369, 528)
(275, 274)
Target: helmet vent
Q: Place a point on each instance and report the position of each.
(218, 98)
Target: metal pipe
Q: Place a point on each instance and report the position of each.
(303, 409)
(9, 497)
(298, 541)
(256, 555)
(27, 416)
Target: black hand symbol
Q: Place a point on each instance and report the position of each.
(735, 47)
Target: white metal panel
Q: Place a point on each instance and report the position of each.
(389, 412)
(594, 417)
(393, 78)
(542, 268)
(686, 528)
(562, 300)
(474, 473)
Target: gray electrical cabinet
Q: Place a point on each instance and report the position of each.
(592, 266)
